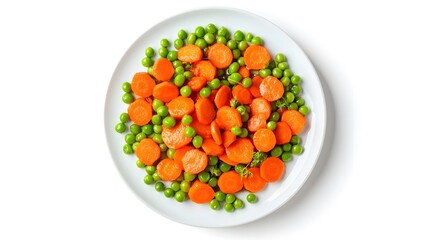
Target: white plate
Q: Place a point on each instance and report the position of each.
(275, 194)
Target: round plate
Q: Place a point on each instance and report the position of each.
(275, 194)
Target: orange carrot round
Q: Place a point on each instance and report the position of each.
(242, 94)
(162, 69)
(201, 192)
(204, 69)
(228, 138)
(211, 148)
(205, 111)
(256, 122)
(254, 182)
(230, 182)
(295, 120)
(178, 155)
(180, 106)
(228, 117)
(256, 57)
(140, 112)
(148, 151)
(194, 161)
(165, 91)
(224, 158)
(272, 169)
(204, 130)
(220, 55)
(142, 84)
(260, 106)
(216, 135)
(196, 83)
(175, 137)
(223, 96)
(190, 53)
(283, 133)
(240, 151)
(168, 169)
(264, 140)
(271, 88)
(244, 72)
(254, 88)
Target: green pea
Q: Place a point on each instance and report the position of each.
(275, 117)
(295, 79)
(197, 141)
(126, 87)
(191, 38)
(287, 147)
(163, 52)
(188, 75)
(175, 186)
(213, 160)
(277, 72)
(233, 67)
(225, 82)
(149, 52)
(251, 198)
(280, 57)
(169, 122)
(201, 43)
(135, 129)
(283, 66)
(127, 98)
(150, 170)
(236, 53)
(190, 132)
(297, 149)
(304, 110)
(172, 55)
(163, 147)
(120, 127)
(234, 78)
(245, 117)
(223, 31)
(220, 196)
(148, 179)
(300, 101)
(256, 40)
(285, 81)
(292, 106)
(214, 204)
(247, 82)
(205, 92)
(224, 167)
(242, 45)
(127, 148)
(157, 103)
(130, 138)
(211, 28)
(200, 31)
(168, 192)
(230, 198)
(180, 196)
(229, 207)
(265, 72)
(295, 140)
(276, 151)
(244, 133)
(290, 97)
(271, 125)
(238, 35)
(162, 111)
(156, 119)
(139, 164)
(238, 203)
(187, 119)
(182, 34)
(189, 176)
(209, 38)
(185, 91)
(241, 109)
(124, 117)
(147, 129)
(134, 146)
(212, 182)
(159, 186)
(288, 73)
(179, 80)
(248, 37)
(178, 43)
(157, 138)
(214, 84)
(231, 44)
(184, 186)
(147, 62)
(165, 43)
(178, 64)
(220, 39)
(204, 176)
(240, 61)
(286, 156)
(236, 130)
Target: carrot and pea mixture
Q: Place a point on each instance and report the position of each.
(213, 114)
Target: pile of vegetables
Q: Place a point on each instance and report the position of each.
(211, 115)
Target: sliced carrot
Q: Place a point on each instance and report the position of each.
(180, 106)
(224, 158)
(215, 130)
(168, 169)
(204, 130)
(264, 140)
(240, 151)
(260, 106)
(200, 192)
(205, 111)
(211, 148)
(228, 138)
(196, 83)
(283, 133)
(140, 112)
(204, 68)
(242, 94)
(162, 69)
(254, 182)
(194, 161)
(272, 169)
(220, 55)
(271, 88)
(254, 88)
(223, 96)
(295, 120)
(178, 155)
(230, 182)
(256, 122)
(244, 72)
(256, 57)
(190, 53)
(212, 95)
(165, 91)
(142, 84)
(175, 137)
(228, 117)
(148, 151)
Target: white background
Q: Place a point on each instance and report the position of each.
(58, 181)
